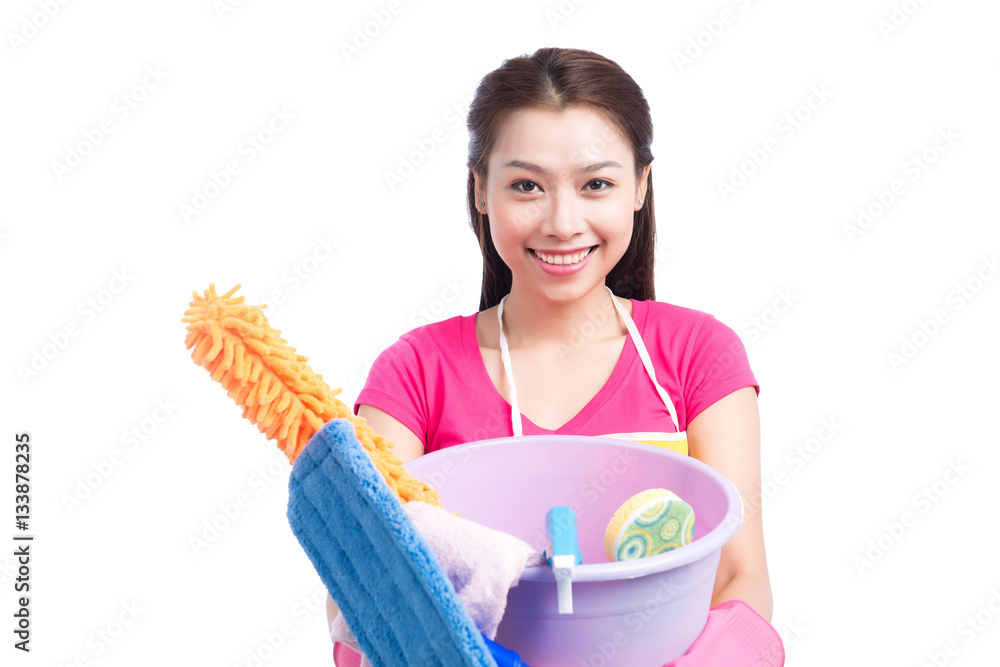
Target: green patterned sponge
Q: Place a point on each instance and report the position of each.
(649, 523)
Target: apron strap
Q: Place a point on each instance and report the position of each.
(640, 347)
(515, 412)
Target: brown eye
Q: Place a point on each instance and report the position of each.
(517, 186)
(599, 181)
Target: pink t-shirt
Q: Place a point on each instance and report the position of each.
(434, 382)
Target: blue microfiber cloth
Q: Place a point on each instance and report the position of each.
(390, 587)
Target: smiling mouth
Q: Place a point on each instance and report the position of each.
(563, 260)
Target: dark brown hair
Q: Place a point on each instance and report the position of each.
(556, 79)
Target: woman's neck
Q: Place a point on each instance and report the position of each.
(530, 320)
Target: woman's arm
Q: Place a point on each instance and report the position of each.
(407, 446)
(726, 436)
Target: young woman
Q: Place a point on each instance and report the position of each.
(568, 338)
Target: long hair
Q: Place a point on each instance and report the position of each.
(557, 79)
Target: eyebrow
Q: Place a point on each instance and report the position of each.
(541, 170)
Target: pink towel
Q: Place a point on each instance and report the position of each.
(483, 564)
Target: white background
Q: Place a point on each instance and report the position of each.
(403, 252)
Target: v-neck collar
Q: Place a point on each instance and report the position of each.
(625, 361)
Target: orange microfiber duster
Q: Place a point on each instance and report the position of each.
(276, 388)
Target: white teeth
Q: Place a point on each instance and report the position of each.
(559, 260)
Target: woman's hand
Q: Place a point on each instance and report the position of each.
(726, 436)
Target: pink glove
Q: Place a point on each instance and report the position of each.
(345, 656)
(734, 636)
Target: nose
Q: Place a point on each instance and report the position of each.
(562, 219)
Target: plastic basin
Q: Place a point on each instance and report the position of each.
(638, 613)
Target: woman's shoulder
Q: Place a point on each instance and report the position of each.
(665, 313)
(428, 345)
(443, 334)
(676, 322)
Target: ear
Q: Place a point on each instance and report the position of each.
(480, 190)
(640, 187)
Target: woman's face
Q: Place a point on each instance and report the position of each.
(557, 182)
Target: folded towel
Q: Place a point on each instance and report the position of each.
(483, 564)
(391, 590)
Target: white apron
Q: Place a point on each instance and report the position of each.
(675, 441)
